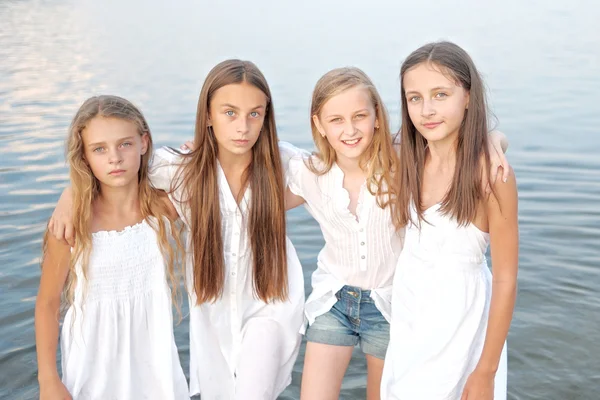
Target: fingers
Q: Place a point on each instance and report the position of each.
(58, 230)
(188, 145)
(69, 235)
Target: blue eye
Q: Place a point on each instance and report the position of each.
(441, 95)
(336, 120)
(360, 116)
(229, 113)
(254, 114)
(414, 99)
(126, 144)
(98, 149)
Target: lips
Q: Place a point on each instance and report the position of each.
(431, 125)
(351, 142)
(117, 172)
(241, 142)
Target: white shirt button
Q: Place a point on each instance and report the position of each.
(363, 257)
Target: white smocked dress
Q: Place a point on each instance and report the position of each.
(240, 346)
(440, 308)
(117, 338)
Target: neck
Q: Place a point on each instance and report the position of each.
(350, 166)
(118, 200)
(234, 162)
(442, 153)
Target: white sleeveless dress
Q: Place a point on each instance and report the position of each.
(117, 338)
(440, 308)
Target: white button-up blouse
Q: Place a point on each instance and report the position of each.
(359, 250)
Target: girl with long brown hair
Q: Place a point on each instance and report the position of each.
(117, 336)
(245, 279)
(450, 316)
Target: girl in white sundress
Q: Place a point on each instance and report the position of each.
(450, 315)
(117, 335)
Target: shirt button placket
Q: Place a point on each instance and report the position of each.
(363, 249)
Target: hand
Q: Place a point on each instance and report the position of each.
(61, 222)
(54, 390)
(189, 145)
(479, 386)
(498, 160)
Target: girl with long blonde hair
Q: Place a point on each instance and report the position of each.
(119, 277)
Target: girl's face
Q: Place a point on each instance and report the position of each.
(436, 103)
(236, 114)
(348, 121)
(113, 149)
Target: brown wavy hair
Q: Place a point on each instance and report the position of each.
(380, 159)
(472, 154)
(86, 189)
(264, 175)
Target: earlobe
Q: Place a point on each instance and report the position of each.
(318, 125)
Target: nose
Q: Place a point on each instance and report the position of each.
(427, 109)
(349, 128)
(115, 157)
(243, 125)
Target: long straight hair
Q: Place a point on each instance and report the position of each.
(472, 155)
(266, 220)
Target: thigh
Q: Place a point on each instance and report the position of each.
(374, 372)
(324, 369)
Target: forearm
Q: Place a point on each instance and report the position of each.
(501, 312)
(46, 339)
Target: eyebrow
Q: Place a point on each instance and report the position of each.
(100, 143)
(363, 110)
(435, 89)
(227, 105)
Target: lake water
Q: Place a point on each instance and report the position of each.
(541, 62)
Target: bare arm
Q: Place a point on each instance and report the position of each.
(292, 200)
(502, 215)
(55, 268)
(502, 211)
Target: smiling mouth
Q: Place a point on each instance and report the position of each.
(351, 142)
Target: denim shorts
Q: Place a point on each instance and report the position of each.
(352, 320)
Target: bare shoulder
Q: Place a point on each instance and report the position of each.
(504, 197)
